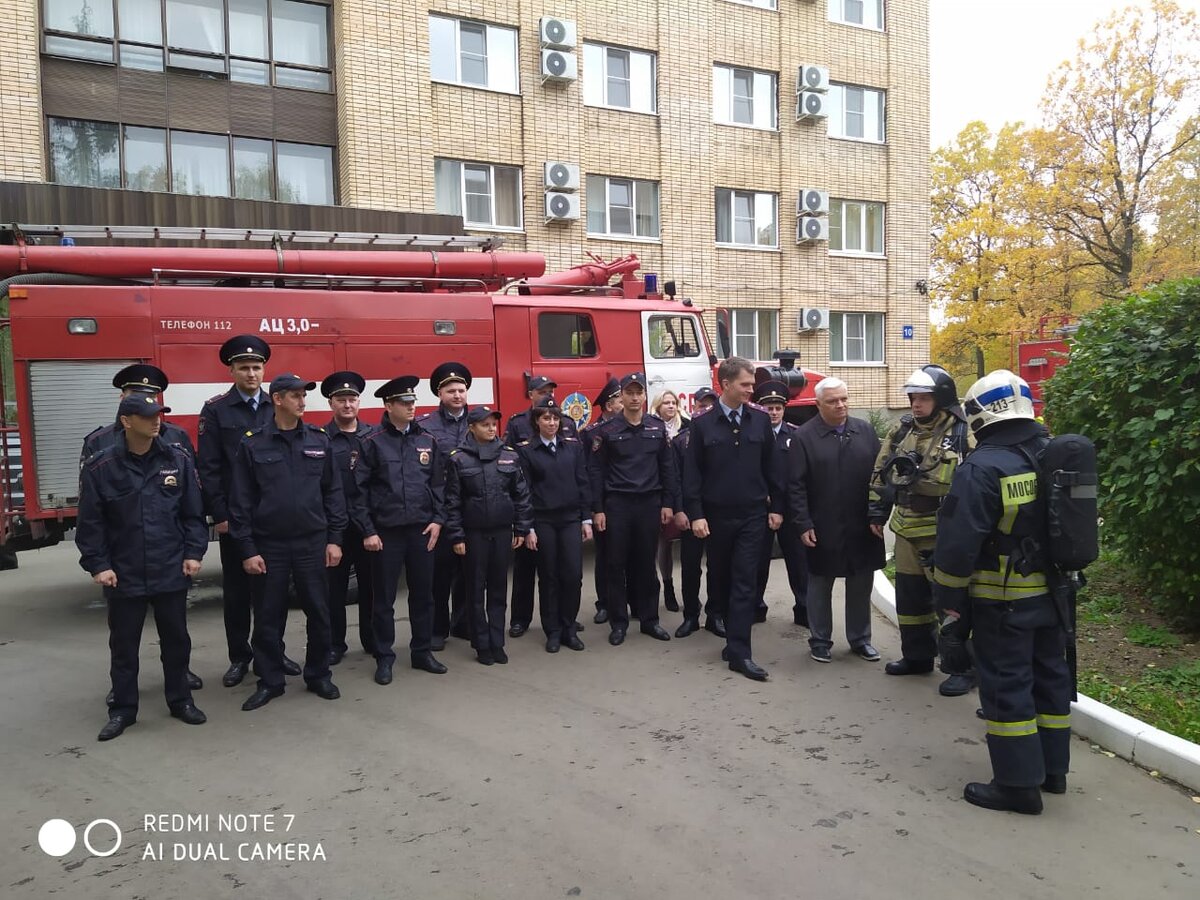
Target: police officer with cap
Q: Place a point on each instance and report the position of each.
(634, 487)
(400, 510)
(141, 535)
(346, 431)
(608, 404)
(703, 400)
(224, 421)
(990, 580)
(449, 382)
(287, 516)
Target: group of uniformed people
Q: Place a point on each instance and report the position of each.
(446, 502)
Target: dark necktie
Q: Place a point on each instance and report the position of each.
(553, 448)
(253, 403)
(734, 418)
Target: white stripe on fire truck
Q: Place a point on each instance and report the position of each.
(186, 399)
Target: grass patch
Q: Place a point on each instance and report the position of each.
(1165, 698)
(1151, 636)
(890, 570)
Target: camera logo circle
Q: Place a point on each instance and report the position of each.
(57, 837)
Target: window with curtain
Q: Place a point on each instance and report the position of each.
(79, 28)
(305, 173)
(867, 13)
(856, 338)
(747, 218)
(253, 169)
(84, 153)
(485, 195)
(301, 35)
(619, 78)
(473, 53)
(856, 113)
(200, 163)
(856, 227)
(625, 207)
(755, 333)
(744, 97)
(196, 25)
(146, 159)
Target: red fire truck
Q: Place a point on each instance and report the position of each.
(1038, 359)
(77, 314)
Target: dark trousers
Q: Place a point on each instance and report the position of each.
(734, 550)
(914, 598)
(600, 575)
(404, 553)
(794, 559)
(235, 585)
(301, 561)
(353, 557)
(126, 616)
(486, 566)
(525, 571)
(559, 560)
(449, 590)
(632, 525)
(1024, 688)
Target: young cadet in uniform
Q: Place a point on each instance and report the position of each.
(773, 397)
(399, 510)
(287, 515)
(992, 585)
(449, 382)
(912, 475)
(634, 486)
(608, 404)
(734, 512)
(224, 421)
(555, 468)
(141, 535)
(346, 431)
(487, 517)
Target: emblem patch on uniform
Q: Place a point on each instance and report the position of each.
(423, 457)
(353, 459)
(170, 481)
(596, 442)
(578, 407)
(200, 427)
(249, 431)
(315, 454)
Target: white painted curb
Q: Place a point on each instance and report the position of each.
(1122, 734)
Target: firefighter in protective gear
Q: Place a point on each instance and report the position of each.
(912, 475)
(990, 579)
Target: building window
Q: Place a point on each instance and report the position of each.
(101, 154)
(486, 196)
(856, 226)
(566, 336)
(856, 112)
(673, 337)
(867, 13)
(747, 218)
(280, 42)
(856, 338)
(755, 333)
(761, 4)
(472, 53)
(743, 97)
(625, 207)
(619, 78)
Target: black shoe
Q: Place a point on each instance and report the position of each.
(715, 624)
(656, 631)
(906, 666)
(956, 685)
(979, 714)
(108, 701)
(485, 657)
(749, 668)
(669, 600)
(688, 626)
(437, 643)
(724, 654)
(261, 697)
(336, 656)
(573, 642)
(427, 662)
(760, 615)
(821, 654)
(189, 715)
(578, 625)
(235, 673)
(324, 688)
(616, 637)
(383, 673)
(291, 667)
(195, 682)
(115, 725)
(516, 629)
(866, 651)
(500, 656)
(553, 643)
(600, 617)
(1055, 784)
(1027, 801)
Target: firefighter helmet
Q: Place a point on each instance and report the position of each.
(999, 396)
(935, 380)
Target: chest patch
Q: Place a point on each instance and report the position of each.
(315, 454)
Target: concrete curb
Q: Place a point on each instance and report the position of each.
(1122, 734)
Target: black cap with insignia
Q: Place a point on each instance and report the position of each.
(402, 388)
(141, 405)
(637, 378)
(611, 389)
(771, 392)
(704, 393)
(547, 404)
(448, 373)
(537, 382)
(343, 383)
(289, 382)
(479, 413)
(141, 377)
(245, 347)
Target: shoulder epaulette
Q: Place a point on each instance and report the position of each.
(454, 451)
(215, 399)
(423, 416)
(523, 443)
(569, 438)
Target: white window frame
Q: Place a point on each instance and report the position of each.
(839, 111)
(753, 314)
(864, 204)
(595, 76)
(489, 31)
(730, 195)
(491, 168)
(760, 4)
(636, 185)
(837, 13)
(859, 363)
(724, 77)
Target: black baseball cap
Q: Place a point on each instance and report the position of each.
(290, 382)
(141, 404)
(638, 378)
(479, 413)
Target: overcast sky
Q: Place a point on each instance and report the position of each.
(990, 59)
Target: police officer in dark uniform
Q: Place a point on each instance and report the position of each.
(608, 405)
(634, 486)
(555, 467)
(449, 382)
(772, 396)
(400, 511)
(735, 512)
(287, 516)
(141, 534)
(346, 431)
(224, 421)
(691, 548)
(990, 581)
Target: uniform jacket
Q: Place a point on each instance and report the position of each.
(522, 427)
(559, 488)
(941, 444)
(732, 473)
(399, 478)
(224, 421)
(485, 490)
(141, 522)
(828, 482)
(106, 436)
(448, 431)
(347, 449)
(285, 486)
(632, 459)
